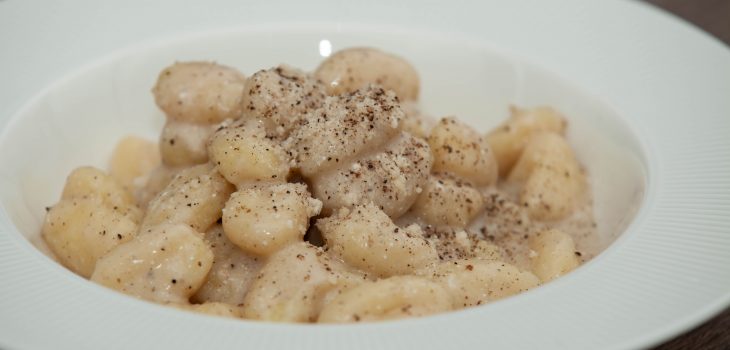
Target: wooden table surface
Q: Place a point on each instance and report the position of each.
(712, 16)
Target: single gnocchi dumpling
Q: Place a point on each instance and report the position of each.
(509, 139)
(280, 97)
(294, 283)
(166, 264)
(552, 182)
(199, 92)
(262, 219)
(351, 69)
(232, 272)
(81, 230)
(553, 254)
(195, 197)
(366, 238)
(387, 299)
(460, 150)
(92, 182)
(475, 282)
(445, 201)
(243, 154)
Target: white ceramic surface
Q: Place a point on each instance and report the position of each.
(660, 116)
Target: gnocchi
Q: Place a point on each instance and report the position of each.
(415, 121)
(458, 149)
(327, 196)
(391, 178)
(293, 285)
(509, 140)
(463, 163)
(280, 97)
(153, 183)
(94, 215)
(194, 197)
(133, 158)
(366, 238)
(263, 219)
(387, 299)
(351, 69)
(475, 282)
(552, 180)
(92, 182)
(553, 254)
(183, 144)
(243, 153)
(448, 202)
(166, 264)
(195, 97)
(232, 271)
(81, 230)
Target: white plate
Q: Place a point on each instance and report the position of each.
(664, 101)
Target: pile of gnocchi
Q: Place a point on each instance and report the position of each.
(324, 196)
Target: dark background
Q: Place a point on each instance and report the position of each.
(712, 16)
